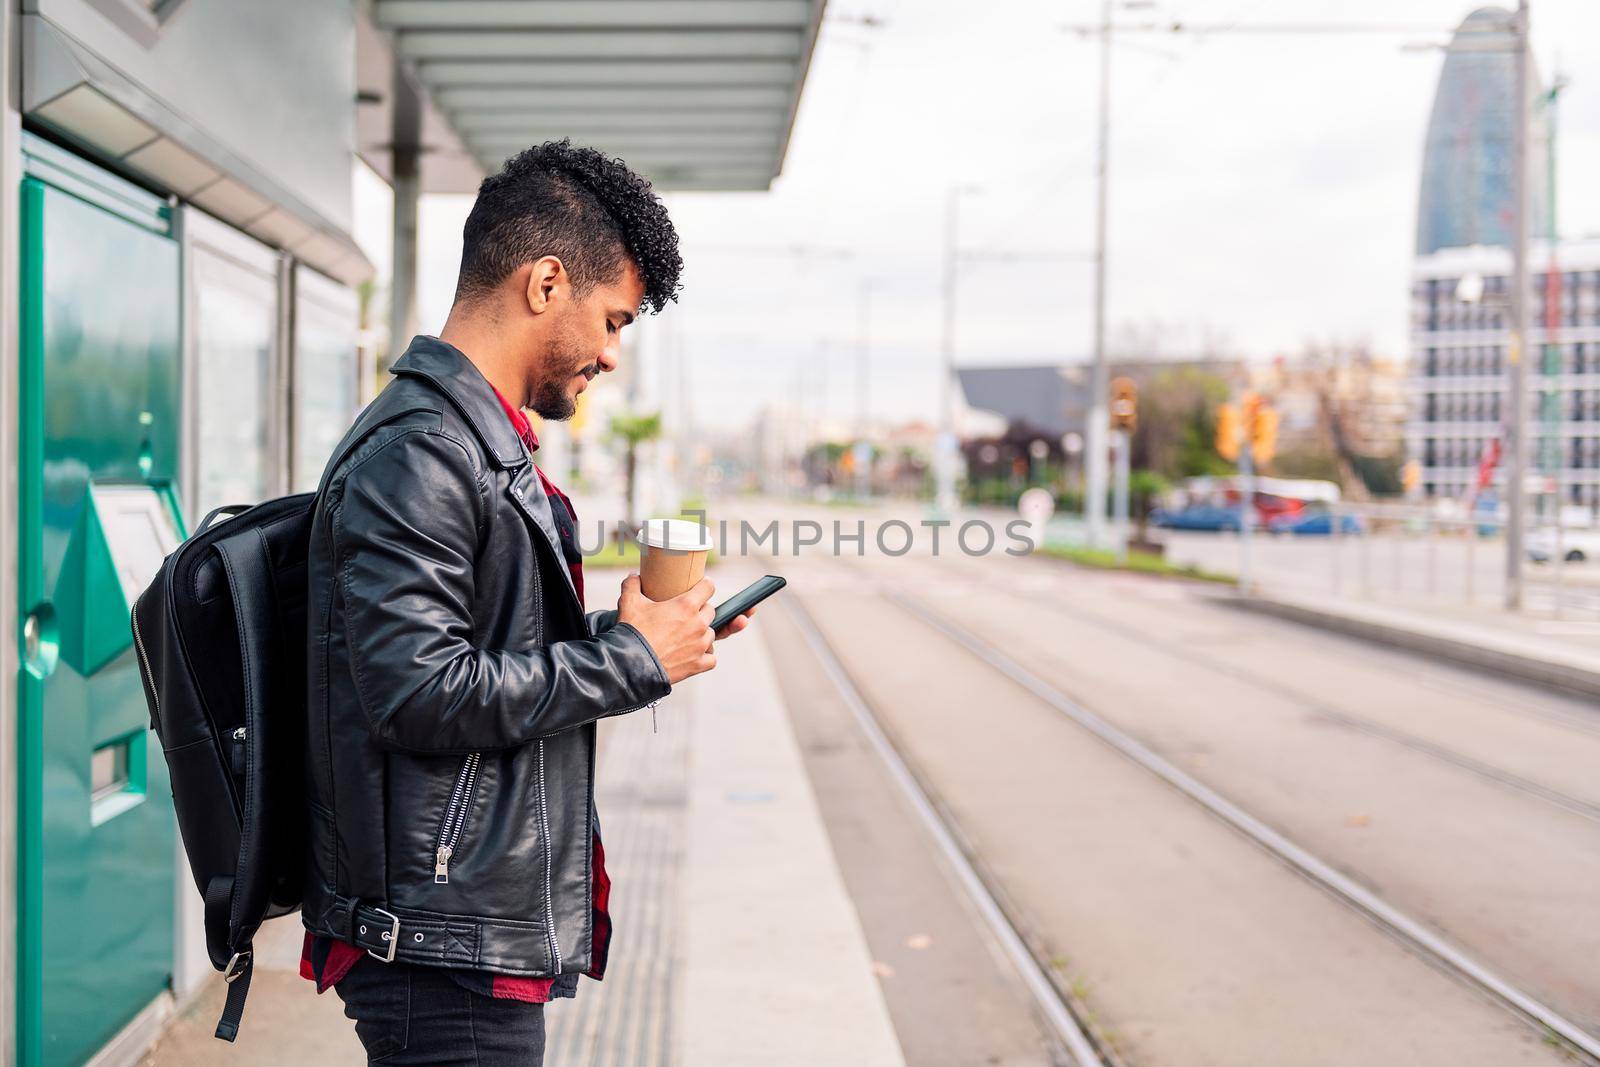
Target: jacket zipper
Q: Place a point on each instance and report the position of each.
(455, 817)
(238, 760)
(549, 862)
(144, 660)
(549, 850)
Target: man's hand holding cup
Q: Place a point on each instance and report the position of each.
(678, 630)
(672, 566)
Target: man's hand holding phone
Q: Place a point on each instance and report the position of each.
(677, 630)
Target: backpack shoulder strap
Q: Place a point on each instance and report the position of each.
(237, 968)
(234, 906)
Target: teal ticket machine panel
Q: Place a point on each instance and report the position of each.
(99, 405)
(121, 535)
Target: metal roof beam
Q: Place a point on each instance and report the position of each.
(624, 99)
(581, 44)
(573, 121)
(676, 177)
(559, 73)
(592, 14)
(648, 158)
(649, 140)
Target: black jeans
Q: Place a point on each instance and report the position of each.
(407, 1014)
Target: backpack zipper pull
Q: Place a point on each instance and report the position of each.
(441, 864)
(237, 752)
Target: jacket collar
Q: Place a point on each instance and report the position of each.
(453, 374)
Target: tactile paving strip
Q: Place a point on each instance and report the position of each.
(641, 790)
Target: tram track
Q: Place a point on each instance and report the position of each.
(1055, 1005)
(1325, 710)
(1328, 712)
(1414, 934)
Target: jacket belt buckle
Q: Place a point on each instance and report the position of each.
(391, 935)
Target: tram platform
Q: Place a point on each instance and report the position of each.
(735, 939)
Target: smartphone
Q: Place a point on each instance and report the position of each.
(745, 599)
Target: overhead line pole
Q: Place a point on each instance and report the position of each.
(861, 446)
(1516, 427)
(1096, 439)
(1553, 453)
(944, 449)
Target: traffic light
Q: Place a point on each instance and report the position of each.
(1124, 404)
(1411, 476)
(1263, 435)
(1253, 421)
(1228, 432)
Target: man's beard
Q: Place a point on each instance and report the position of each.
(550, 397)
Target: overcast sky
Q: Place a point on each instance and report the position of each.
(1263, 191)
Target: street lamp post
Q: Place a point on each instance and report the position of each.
(1516, 428)
(1094, 457)
(944, 451)
(863, 450)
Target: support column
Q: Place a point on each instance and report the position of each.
(407, 187)
(403, 270)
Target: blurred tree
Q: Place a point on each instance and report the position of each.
(1144, 491)
(821, 462)
(1183, 371)
(1357, 406)
(1309, 460)
(633, 430)
(1178, 421)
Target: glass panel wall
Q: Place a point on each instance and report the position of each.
(325, 396)
(233, 359)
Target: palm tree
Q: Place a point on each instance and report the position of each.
(634, 430)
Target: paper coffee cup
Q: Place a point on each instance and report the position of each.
(672, 556)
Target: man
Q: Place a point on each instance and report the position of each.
(457, 880)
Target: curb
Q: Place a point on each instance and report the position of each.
(1568, 679)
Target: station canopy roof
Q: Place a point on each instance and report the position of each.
(695, 94)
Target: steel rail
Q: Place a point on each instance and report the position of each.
(1322, 709)
(1376, 908)
(1039, 984)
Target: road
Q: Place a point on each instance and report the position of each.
(1465, 803)
(1409, 568)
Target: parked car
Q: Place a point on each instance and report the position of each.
(1197, 517)
(1577, 546)
(1314, 522)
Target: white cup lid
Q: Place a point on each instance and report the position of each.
(675, 535)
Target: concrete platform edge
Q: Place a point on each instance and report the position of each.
(1566, 678)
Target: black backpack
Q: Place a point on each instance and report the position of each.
(221, 634)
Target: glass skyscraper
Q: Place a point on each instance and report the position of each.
(1460, 291)
(1466, 197)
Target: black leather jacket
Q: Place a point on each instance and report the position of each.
(454, 687)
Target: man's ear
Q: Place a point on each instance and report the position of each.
(546, 279)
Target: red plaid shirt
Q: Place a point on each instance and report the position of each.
(326, 960)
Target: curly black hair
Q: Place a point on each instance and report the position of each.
(579, 205)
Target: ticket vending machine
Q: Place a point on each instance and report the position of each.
(99, 403)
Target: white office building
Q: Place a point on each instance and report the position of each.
(1459, 380)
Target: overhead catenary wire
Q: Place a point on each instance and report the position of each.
(1321, 29)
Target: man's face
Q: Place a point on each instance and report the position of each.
(585, 339)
